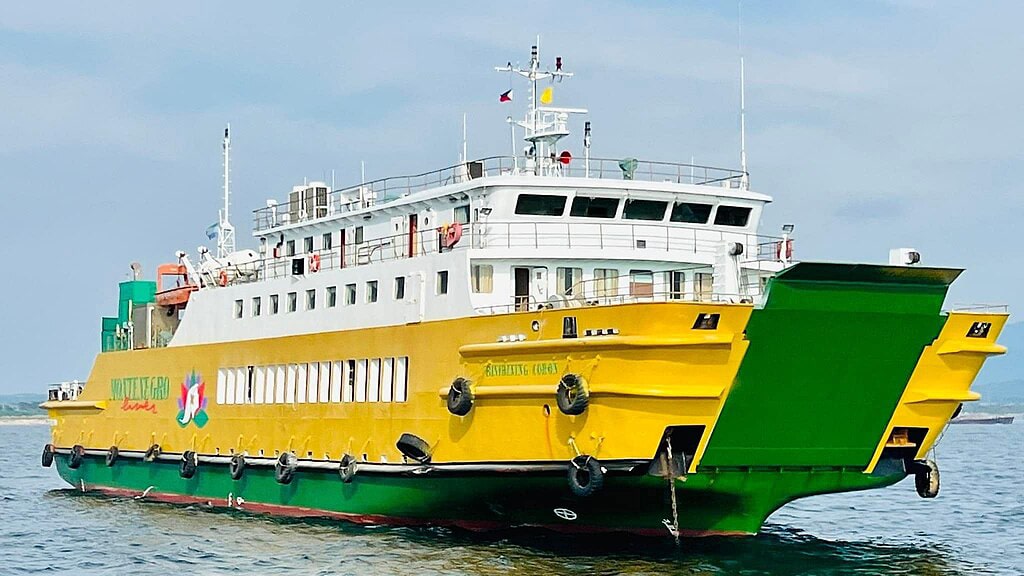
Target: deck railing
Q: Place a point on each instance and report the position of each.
(640, 239)
(385, 190)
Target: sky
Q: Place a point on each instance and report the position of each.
(873, 124)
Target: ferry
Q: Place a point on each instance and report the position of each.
(545, 340)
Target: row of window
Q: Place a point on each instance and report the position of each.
(633, 209)
(357, 380)
(461, 214)
(371, 294)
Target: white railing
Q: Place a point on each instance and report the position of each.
(387, 189)
(673, 241)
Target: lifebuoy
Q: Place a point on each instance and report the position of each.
(112, 455)
(187, 468)
(223, 277)
(314, 262)
(76, 456)
(237, 466)
(284, 468)
(586, 475)
(572, 396)
(451, 234)
(460, 397)
(347, 468)
(789, 249)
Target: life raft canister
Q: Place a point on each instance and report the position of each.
(314, 262)
(451, 234)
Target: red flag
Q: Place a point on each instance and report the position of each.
(505, 96)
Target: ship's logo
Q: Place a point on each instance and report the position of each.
(192, 403)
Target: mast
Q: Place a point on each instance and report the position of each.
(225, 231)
(543, 125)
(745, 178)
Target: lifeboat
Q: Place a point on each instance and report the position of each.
(178, 294)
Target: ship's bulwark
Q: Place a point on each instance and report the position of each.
(800, 412)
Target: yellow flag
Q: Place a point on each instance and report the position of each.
(547, 95)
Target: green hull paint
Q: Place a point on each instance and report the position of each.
(830, 354)
(722, 501)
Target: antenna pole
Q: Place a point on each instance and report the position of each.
(226, 232)
(465, 149)
(745, 177)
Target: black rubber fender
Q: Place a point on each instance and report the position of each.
(112, 454)
(152, 453)
(572, 395)
(414, 448)
(926, 478)
(76, 456)
(460, 397)
(188, 465)
(347, 468)
(586, 475)
(284, 468)
(47, 458)
(237, 466)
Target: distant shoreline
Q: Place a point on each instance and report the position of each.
(24, 420)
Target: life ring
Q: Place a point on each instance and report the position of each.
(237, 466)
(460, 397)
(284, 468)
(76, 456)
(314, 262)
(152, 453)
(187, 468)
(112, 455)
(451, 234)
(572, 396)
(47, 458)
(347, 468)
(586, 475)
(789, 249)
(223, 277)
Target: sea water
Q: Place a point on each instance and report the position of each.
(975, 526)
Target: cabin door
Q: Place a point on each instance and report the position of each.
(522, 288)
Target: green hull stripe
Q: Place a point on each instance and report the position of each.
(733, 501)
(830, 355)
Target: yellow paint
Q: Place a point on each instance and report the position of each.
(942, 380)
(657, 372)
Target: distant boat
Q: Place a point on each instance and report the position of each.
(983, 420)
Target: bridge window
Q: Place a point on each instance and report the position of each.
(482, 278)
(732, 215)
(586, 207)
(644, 210)
(540, 205)
(690, 213)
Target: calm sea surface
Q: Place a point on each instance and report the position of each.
(975, 526)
